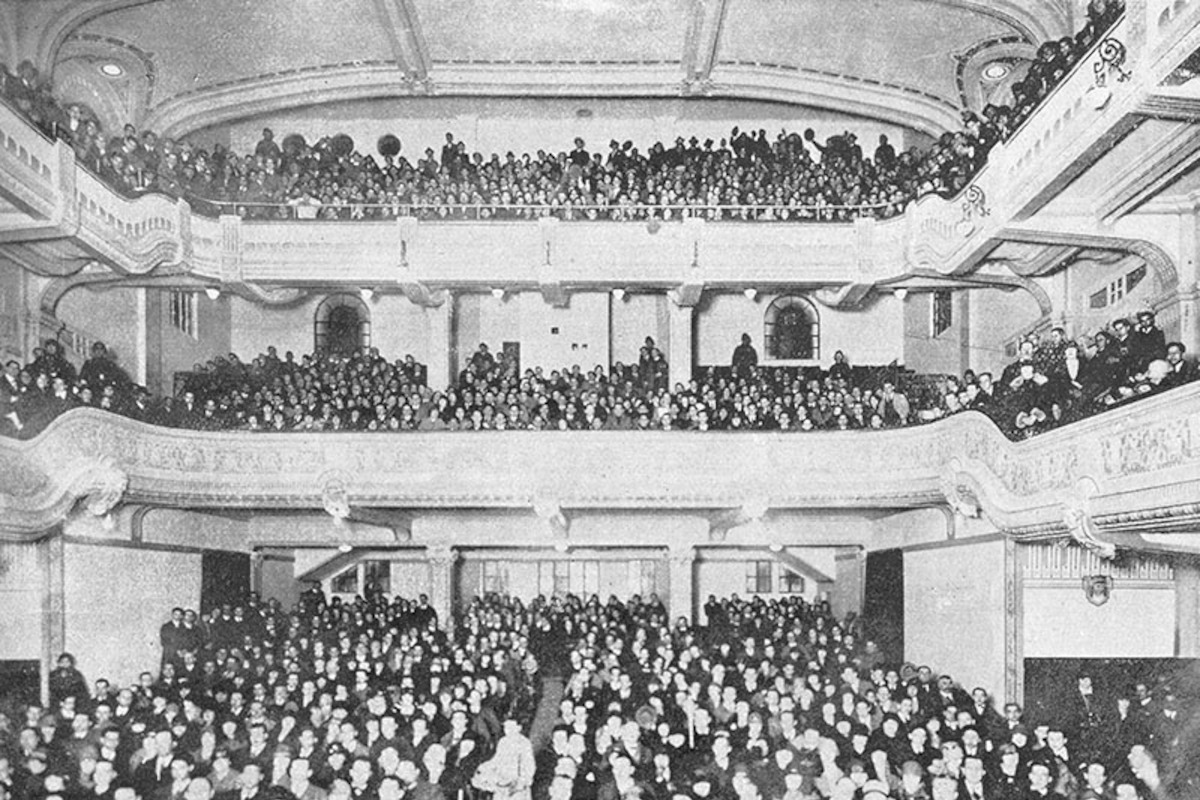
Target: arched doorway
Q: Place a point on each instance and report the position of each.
(792, 330)
(341, 325)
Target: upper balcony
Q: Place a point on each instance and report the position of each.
(58, 215)
(1103, 480)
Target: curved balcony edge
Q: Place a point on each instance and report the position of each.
(1130, 469)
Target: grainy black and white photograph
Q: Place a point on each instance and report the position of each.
(599, 400)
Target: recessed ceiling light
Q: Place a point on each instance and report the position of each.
(112, 70)
(995, 71)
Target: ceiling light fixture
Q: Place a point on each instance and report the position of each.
(344, 548)
(775, 547)
(995, 71)
(901, 294)
(366, 294)
(750, 294)
(498, 294)
(212, 292)
(618, 294)
(112, 70)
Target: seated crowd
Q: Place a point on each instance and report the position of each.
(1051, 383)
(747, 176)
(1060, 380)
(371, 700)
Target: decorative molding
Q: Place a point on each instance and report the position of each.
(1124, 470)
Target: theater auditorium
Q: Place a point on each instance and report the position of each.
(599, 400)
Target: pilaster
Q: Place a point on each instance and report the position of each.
(681, 347)
(54, 632)
(442, 559)
(1014, 646)
(440, 357)
(682, 601)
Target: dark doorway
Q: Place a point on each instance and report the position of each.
(342, 334)
(224, 578)
(883, 603)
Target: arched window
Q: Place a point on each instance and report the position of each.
(792, 330)
(341, 325)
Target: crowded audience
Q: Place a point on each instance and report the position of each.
(566, 699)
(746, 176)
(1051, 382)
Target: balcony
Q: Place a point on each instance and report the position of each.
(63, 212)
(1101, 480)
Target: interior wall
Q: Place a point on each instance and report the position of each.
(954, 611)
(1136, 622)
(170, 350)
(111, 626)
(945, 353)
(724, 572)
(398, 327)
(108, 316)
(871, 335)
(994, 318)
(192, 529)
(277, 579)
(635, 317)
(497, 125)
(21, 589)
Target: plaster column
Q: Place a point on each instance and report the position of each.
(682, 600)
(441, 344)
(442, 559)
(681, 351)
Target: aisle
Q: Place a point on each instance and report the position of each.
(547, 712)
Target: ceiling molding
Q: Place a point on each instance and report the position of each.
(215, 105)
(67, 18)
(703, 38)
(1052, 22)
(404, 34)
(1159, 261)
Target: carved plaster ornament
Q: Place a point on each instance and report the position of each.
(958, 496)
(335, 498)
(1078, 519)
(99, 482)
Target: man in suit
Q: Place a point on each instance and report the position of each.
(1182, 370)
(10, 395)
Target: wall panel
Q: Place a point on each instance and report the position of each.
(117, 598)
(954, 611)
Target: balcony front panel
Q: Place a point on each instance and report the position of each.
(1126, 468)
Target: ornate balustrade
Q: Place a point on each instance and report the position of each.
(1123, 471)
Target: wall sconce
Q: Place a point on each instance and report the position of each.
(366, 294)
(618, 294)
(498, 294)
(750, 294)
(901, 294)
(212, 292)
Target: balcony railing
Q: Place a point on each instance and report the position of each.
(1123, 470)
(617, 212)
(840, 243)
